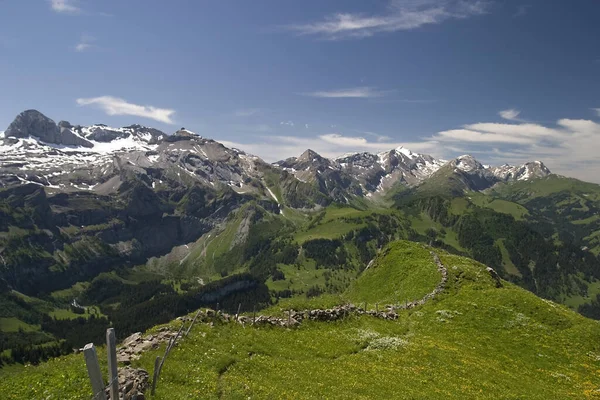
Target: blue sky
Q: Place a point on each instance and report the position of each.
(506, 81)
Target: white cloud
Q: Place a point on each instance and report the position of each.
(86, 42)
(357, 92)
(597, 111)
(480, 137)
(65, 6)
(378, 137)
(116, 106)
(569, 148)
(247, 112)
(82, 46)
(306, 126)
(511, 114)
(274, 148)
(287, 123)
(400, 15)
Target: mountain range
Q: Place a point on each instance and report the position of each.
(67, 157)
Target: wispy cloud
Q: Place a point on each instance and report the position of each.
(275, 148)
(72, 7)
(65, 6)
(400, 15)
(116, 106)
(247, 112)
(511, 114)
(569, 147)
(86, 42)
(378, 137)
(363, 92)
(597, 111)
(287, 123)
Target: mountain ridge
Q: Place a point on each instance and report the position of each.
(36, 149)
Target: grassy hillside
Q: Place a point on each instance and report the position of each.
(404, 271)
(472, 341)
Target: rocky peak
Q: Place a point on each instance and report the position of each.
(404, 151)
(364, 159)
(310, 156)
(467, 163)
(34, 123)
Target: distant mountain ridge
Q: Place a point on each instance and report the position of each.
(35, 149)
(371, 175)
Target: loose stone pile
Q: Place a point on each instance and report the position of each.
(136, 344)
(132, 384)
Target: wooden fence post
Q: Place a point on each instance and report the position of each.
(192, 324)
(238, 312)
(93, 368)
(155, 376)
(170, 345)
(113, 373)
(289, 317)
(253, 315)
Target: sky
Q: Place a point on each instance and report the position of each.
(506, 81)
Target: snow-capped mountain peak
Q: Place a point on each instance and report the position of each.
(467, 163)
(405, 151)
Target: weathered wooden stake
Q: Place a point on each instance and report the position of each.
(93, 368)
(253, 315)
(192, 324)
(113, 373)
(238, 312)
(377, 307)
(155, 376)
(169, 347)
(289, 317)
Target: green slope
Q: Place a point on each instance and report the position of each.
(472, 341)
(404, 271)
(570, 205)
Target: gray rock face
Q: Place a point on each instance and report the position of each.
(34, 123)
(101, 134)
